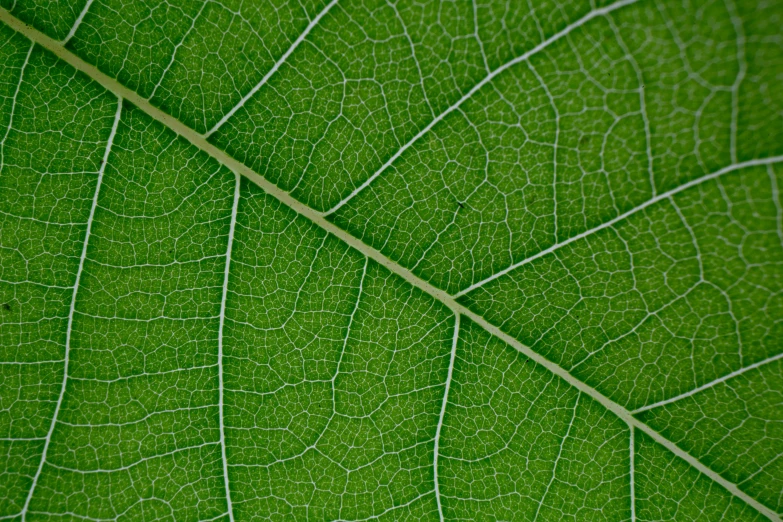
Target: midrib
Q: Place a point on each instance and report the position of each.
(318, 218)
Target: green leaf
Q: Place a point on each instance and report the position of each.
(359, 259)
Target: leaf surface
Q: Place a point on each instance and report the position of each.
(500, 261)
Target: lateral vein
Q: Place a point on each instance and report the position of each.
(664, 195)
(78, 22)
(711, 383)
(521, 58)
(454, 342)
(273, 70)
(221, 387)
(13, 105)
(72, 309)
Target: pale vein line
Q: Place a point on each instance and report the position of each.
(231, 233)
(557, 459)
(176, 49)
(740, 38)
(13, 105)
(711, 383)
(776, 198)
(408, 38)
(273, 70)
(72, 310)
(521, 58)
(78, 22)
(477, 37)
(633, 475)
(612, 222)
(344, 347)
(554, 145)
(318, 218)
(348, 328)
(642, 105)
(454, 343)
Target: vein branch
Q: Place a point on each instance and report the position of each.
(314, 22)
(559, 456)
(454, 342)
(742, 70)
(711, 383)
(72, 309)
(221, 387)
(663, 195)
(176, 49)
(78, 22)
(13, 105)
(632, 460)
(521, 58)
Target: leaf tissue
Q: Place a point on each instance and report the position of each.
(391, 260)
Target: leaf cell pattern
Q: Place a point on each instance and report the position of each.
(533, 271)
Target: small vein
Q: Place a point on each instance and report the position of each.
(776, 199)
(642, 104)
(632, 455)
(78, 22)
(742, 69)
(350, 324)
(176, 49)
(559, 455)
(555, 144)
(13, 105)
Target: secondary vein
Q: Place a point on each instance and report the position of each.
(72, 309)
(611, 222)
(521, 58)
(454, 342)
(221, 387)
(273, 70)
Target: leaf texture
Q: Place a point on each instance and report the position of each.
(487, 261)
